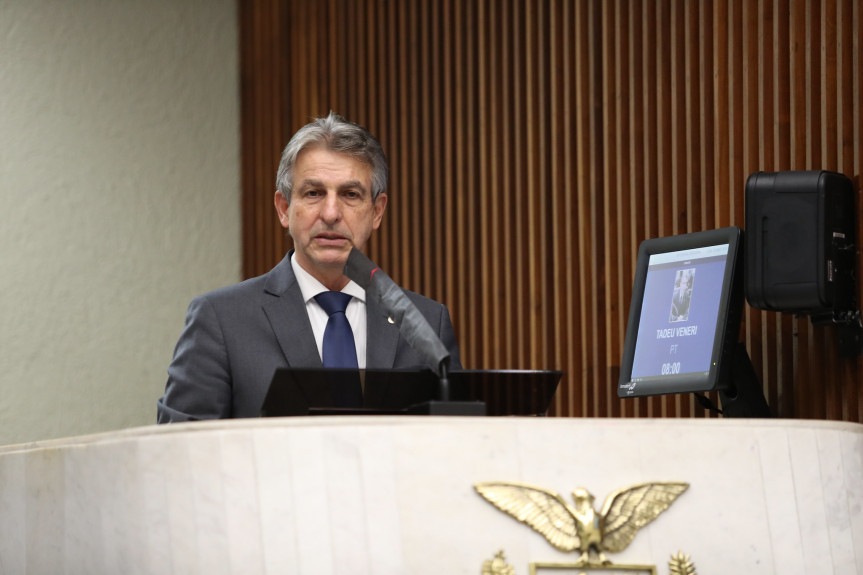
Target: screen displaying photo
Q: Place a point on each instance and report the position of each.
(679, 312)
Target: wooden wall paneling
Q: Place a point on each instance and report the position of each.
(518, 188)
(598, 263)
(693, 142)
(414, 265)
(634, 159)
(722, 99)
(529, 193)
(459, 189)
(485, 119)
(382, 63)
(579, 381)
(249, 125)
(752, 145)
(785, 327)
(401, 145)
(612, 176)
(377, 110)
(400, 105)
(679, 159)
(357, 89)
(441, 24)
(610, 206)
(448, 188)
(261, 41)
(409, 229)
(845, 379)
(845, 132)
(771, 56)
(833, 141)
(435, 235)
(709, 118)
(497, 165)
(586, 147)
(333, 75)
(578, 353)
(541, 334)
(456, 168)
(705, 33)
(560, 308)
(649, 148)
(551, 189)
(796, 362)
(395, 99)
(475, 251)
(506, 192)
(700, 112)
(472, 183)
(370, 62)
(811, 406)
(799, 161)
(663, 142)
(739, 97)
(503, 196)
(820, 407)
(533, 145)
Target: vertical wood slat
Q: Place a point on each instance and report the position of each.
(534, 143)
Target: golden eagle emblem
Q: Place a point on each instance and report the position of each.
(580, 527)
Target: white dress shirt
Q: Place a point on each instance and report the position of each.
(356, 311)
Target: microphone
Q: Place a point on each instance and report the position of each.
(411, 323)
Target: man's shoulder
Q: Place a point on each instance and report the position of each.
(421, 301)
(251, 290)
(240, 290)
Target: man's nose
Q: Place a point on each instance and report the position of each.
(331, 210)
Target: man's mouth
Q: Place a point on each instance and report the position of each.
(331, 239)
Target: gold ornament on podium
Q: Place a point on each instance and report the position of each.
(497, 566)
(580, 528)
(681, 565)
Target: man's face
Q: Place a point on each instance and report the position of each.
(331, 211)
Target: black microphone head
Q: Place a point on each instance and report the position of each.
(411, 323)
(359, 268)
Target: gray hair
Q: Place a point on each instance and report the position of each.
(337, 135)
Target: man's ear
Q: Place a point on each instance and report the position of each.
(281, 208)
(379, 207)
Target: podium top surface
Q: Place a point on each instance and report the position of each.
(554, 424)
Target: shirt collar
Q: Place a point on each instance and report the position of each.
(310, 287)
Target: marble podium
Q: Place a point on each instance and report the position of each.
(394, 495)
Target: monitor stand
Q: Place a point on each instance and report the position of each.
(744, 396)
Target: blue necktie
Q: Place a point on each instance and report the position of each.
(339, 349)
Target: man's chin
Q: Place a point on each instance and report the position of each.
(332, 258)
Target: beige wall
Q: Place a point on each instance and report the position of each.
(119, 201)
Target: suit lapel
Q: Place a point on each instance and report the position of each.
(382, 337)
(286, 311)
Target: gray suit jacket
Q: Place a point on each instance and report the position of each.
(235, 338)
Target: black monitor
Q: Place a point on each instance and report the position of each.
(684, 315)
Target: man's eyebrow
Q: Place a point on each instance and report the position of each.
(343, 186)
(311, 184)
(353, 184)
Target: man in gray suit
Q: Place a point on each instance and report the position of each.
(330, 197)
